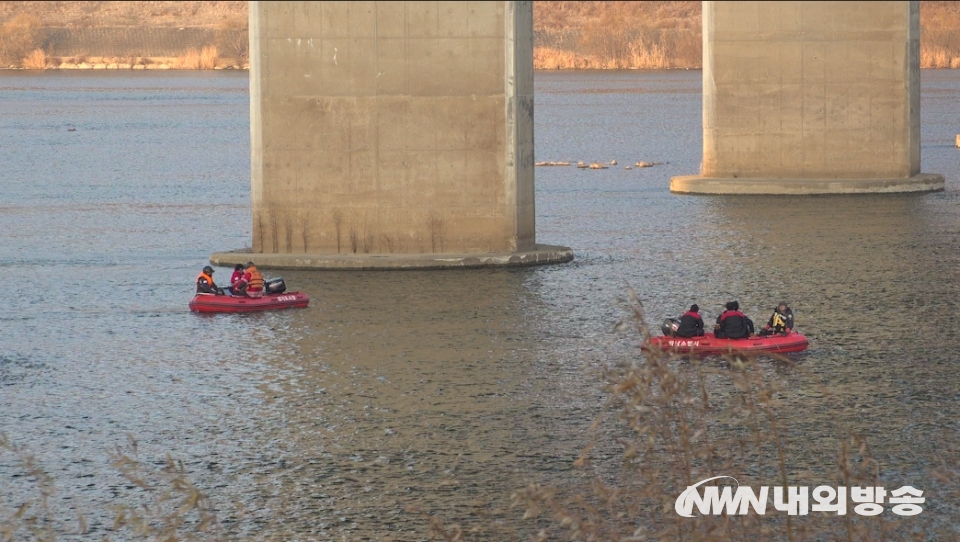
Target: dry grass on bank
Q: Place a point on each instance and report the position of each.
(18, 37)
(233, 38)
(568, 34)
(558, 16)
(940, 34)
(662, 35)
(617, 35)
(36, 60)
(206, 59)
(633, 54)
(153, 13)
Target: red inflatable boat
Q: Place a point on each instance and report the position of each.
(710, 345)
(230, 303)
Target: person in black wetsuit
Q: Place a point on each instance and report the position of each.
(205, 284)
(781, 321)
(733, 324)
(691, 324)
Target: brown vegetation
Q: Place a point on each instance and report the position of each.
(152, 13)
(18, 37)
(568, 35)
(617, 35)
(206, 59)
(233, 38)
(659, 35)
(671, 423)
(940, 34)
(36, 60)
(171, 508)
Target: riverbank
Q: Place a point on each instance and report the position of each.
(668, 35)
(180, 35)
(187, 62)
(567, 35)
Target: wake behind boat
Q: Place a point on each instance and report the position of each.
(212, 303)
(709, 345)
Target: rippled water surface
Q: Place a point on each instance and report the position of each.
(435, 391)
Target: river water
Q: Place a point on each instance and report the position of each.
(429, 391)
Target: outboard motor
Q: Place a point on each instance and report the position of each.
(274, 286)
(670, 326)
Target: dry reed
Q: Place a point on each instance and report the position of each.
(671, 422)
(939, 35)
(36, 60)
(205, 59)
(190, 60)
(626, 49)
(208, 57)
(174, 508)
(178, 511)
(617, 35)
(31, 519)
(663, 35)
(233, 39)
(568, 35)
(18, 37)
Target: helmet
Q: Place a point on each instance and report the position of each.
(208, 270)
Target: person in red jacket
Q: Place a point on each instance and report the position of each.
(235, 279)
(733, 324)
(691, 324)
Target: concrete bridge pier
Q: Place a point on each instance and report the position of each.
(810, 98)
(392, 135)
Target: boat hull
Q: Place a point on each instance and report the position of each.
(209, 303)
(710, 345)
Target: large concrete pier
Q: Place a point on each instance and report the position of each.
(810, 98)
(395, 129)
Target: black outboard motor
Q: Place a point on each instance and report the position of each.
(274, 286)
(669, 327)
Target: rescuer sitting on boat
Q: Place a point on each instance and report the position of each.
(781, 321)
(691, 324)
(205, 284)
(236, 277)
(251, 285)
(733, 324)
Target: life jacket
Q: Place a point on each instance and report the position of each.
(256, 280)
(779, 322)
(205, 288)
